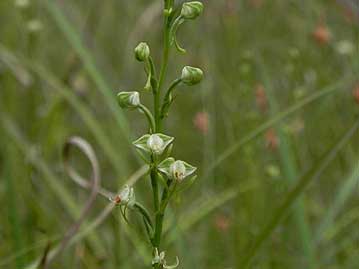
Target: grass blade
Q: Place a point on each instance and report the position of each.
(51, 180)
(348, 188)
(292, 196)
(74, 39)
(290, 170)
(88, 118)
(9, 178)
(279, 117)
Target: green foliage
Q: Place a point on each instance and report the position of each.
(272, 130)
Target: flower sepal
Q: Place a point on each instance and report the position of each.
(129, 100)
(176, 170)
(154, 144)
(126, 197)
(159, 258)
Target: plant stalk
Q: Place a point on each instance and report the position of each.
(159, 211)
(166, 50)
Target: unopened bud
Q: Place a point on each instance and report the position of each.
(191, 10)
(128, 99)
(191, 75)
(142, 52)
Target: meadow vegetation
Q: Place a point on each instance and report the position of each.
(272, 130)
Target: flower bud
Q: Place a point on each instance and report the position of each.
(176, 170)
(154, 143)
(127, 196)
(142, 52)
(128, 99)
(191, 75)
(191, 10)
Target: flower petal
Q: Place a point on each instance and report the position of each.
(141, 143)
(165, 166)
(189, 169)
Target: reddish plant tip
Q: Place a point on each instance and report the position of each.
(201, 122)
(222, 223)
(271, 139)
(256, 3)
(356, 93)
(261, 98)
(230, 8)
(322, 34)
(117, 199)
(349, 15)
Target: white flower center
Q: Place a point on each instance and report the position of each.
(178, 170)
(156, 144)
(126, 195)
(134, 99)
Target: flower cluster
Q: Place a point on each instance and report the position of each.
(155, 147)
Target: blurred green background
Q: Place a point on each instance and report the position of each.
(273, 130)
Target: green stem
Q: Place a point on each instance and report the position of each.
(154, 184)
(167, 99)
(144, 213)
(168, 4)
(149, 116)
(163, 71)
(166, 198)
(152, 67)
(159, 218)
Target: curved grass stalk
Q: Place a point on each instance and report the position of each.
(105, 213)
(95, 183)
(50, 178)
(61, 192)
